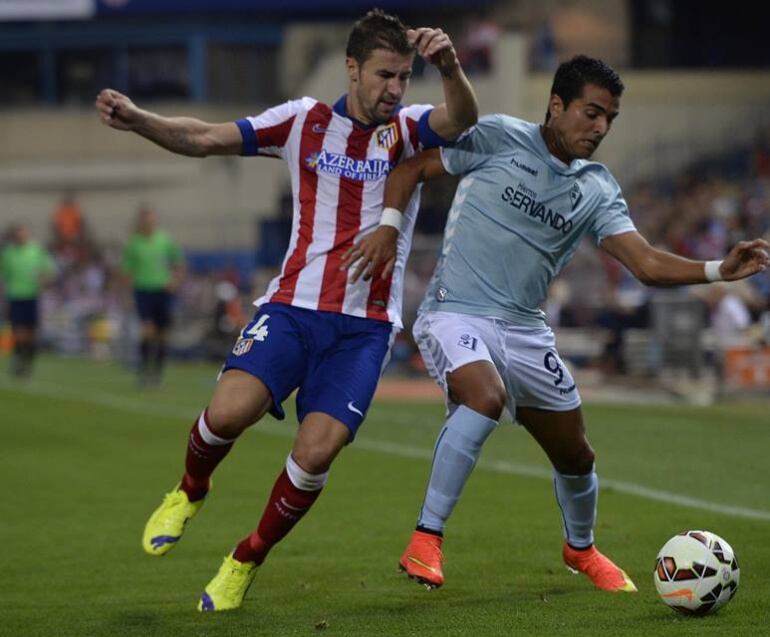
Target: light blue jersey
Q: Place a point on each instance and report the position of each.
(517, 218)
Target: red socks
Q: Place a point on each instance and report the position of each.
(204, 452)
(286, 506)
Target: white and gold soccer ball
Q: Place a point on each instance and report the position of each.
(696, 572)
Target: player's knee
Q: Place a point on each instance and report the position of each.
(489, 402)
(578, 461)
(314, 459)
(227, 421)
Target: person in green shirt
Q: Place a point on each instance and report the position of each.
(24, 267)
(155, 264)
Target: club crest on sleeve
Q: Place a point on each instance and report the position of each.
(242, 346)
(468, 341)
(387, 136)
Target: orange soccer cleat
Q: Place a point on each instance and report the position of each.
(599, 569)
(422, 559)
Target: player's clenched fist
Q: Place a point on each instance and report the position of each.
(434, 46)
(115, 109)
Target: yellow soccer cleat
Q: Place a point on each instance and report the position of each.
(600, 569)
(226, 590)
(166, 524)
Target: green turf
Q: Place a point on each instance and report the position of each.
(85, 456)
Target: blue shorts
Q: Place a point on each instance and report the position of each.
(23, 313)
(334, 359)
(154, 306)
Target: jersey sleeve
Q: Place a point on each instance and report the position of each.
(474, 147)
(267, 133)
(613, 216)
(416, 131)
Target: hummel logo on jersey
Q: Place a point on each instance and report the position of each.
(524, 167)
(352, 408)
(466, 340)
(344, 166)
(388, 136)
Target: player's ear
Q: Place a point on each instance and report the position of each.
(555, 106)
(352, 67)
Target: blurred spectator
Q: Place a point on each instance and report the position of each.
(729, 314)
(626, 307)
(477, 45)
(760, 158)
(24, 267)
(228, 318)
(543, 54)
(155, 264)
(67, 221)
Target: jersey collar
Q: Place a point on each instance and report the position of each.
(555, 162)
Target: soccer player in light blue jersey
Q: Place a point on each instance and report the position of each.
(527, 198)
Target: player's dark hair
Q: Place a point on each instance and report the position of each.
(377, 30)
(572, 76)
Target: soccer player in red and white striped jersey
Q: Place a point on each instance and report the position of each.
(314, 330)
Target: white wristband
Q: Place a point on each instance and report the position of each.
(711, 271)
(391, 217)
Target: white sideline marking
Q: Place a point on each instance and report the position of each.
(133, 405)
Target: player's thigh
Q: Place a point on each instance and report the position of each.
(240, 399)
(319, 439)
(459, 354)
(562, 435)
(162, 305)
(271, 358)
(534, 373)
(478, 385)
(343, 378)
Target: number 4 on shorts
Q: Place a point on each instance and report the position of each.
(259, 330)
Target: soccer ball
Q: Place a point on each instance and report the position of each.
(696, 572)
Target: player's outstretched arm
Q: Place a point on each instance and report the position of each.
(182, 135)
(460, 109)
(660, 268)
(379, 247)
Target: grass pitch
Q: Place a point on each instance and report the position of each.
(85, 457)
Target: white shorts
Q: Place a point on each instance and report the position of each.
(525, 357)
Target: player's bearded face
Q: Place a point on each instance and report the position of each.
(378, 85)
(586, 121)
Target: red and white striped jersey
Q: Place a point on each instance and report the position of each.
(338, 170)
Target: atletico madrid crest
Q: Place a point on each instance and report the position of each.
(242, 346)
(387, 136)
